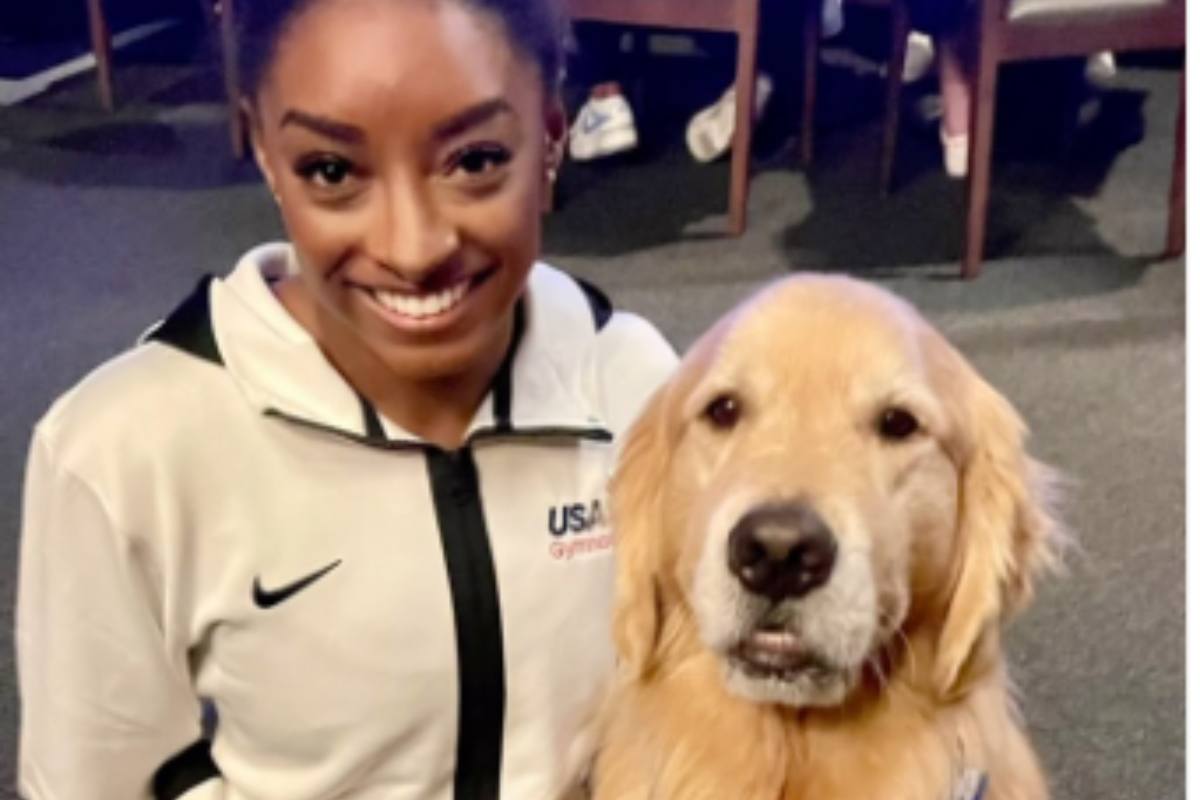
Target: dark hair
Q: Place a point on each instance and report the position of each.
(534, 27)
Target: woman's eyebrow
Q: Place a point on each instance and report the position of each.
(330, 129)
(473, 117)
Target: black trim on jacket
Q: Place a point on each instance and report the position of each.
(477, 623)
(372, 425)
(502, 381)
(189, 327)
(185, 771)
(601, 306)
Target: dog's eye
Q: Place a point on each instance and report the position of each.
(897, 424)
(724, 412)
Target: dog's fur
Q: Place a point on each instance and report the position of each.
(939, 538)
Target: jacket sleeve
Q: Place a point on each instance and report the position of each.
(104, 703)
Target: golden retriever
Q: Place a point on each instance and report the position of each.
(822, 522)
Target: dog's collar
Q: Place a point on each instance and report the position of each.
(972, 784)
(969, 783)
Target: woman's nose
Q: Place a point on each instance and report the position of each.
(410, 233)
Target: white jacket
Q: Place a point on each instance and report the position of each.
(216, 515)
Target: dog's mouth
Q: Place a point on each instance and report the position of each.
(780, 655)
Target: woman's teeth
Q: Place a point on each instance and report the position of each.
(420, 306)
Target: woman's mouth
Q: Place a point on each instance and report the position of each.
(422, 306)
(425, 310)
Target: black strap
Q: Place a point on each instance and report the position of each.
(476, 601)
(189, 327)
(185, 771)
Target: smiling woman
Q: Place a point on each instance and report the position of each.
(316, 496)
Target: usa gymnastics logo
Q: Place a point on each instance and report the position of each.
(578, 529)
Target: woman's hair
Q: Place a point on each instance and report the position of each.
(534, 28)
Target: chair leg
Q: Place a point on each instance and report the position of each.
(810, 43)
(747, 61)
(1071, 96)
(208, 11)
(230, 73)
(895, 85)
(979, 165)
(102, 49)
(1176, 225)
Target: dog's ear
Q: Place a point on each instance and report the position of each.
(1007, 532)
(638, 526)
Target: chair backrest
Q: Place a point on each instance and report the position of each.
(714, 15)
(1085, 9)
(1029, 29)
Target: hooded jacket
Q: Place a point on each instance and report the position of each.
(216, 517)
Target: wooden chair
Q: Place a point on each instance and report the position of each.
(739, 17)
(238, 132)
(1023, 30)
(220, 13)
(102, 50)
(900, 28)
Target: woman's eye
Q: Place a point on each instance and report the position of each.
(480, 160)
(326, 172)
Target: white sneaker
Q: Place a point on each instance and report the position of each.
(955, 154)
(710, 132)
(1101, 68)
(603, 127)
(918, 57)
(832, 19)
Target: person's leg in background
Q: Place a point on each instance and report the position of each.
(949, 22)
(954, 58)
(710, 133)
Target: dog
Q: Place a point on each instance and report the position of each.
(822, 521)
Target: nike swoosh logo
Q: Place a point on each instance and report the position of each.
(269, 598)
(594, 121)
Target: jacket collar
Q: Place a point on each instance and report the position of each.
(543, 388)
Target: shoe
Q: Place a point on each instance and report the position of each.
(603, 127)
(928, 109)
(710, 132)
(918, 57)
(1101, 68)
(847, 59)
(955, 154)
(832, 20)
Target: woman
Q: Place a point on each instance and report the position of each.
(351, 495)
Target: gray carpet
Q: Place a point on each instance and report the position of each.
(106, 221)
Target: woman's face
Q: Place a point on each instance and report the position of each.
(408, 145)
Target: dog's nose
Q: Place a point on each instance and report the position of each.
(782, 551)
